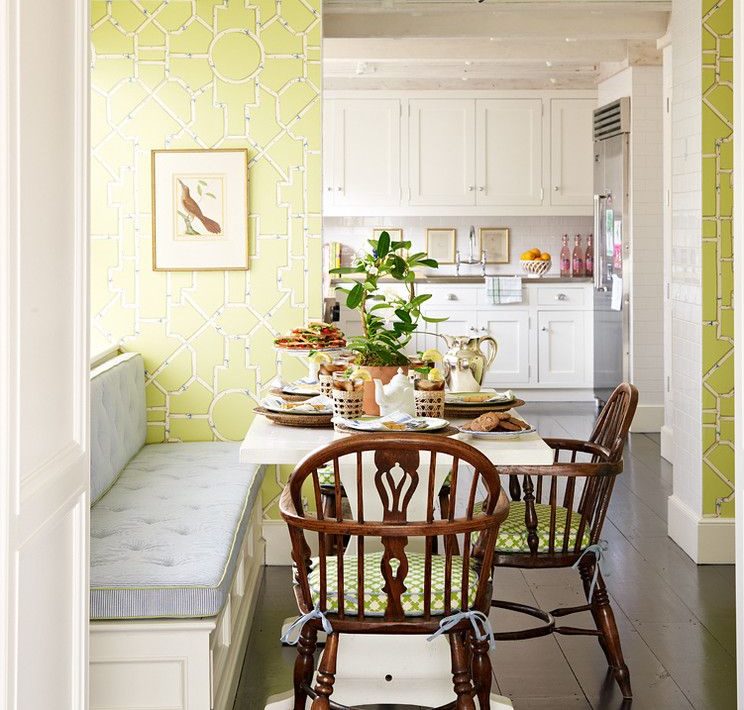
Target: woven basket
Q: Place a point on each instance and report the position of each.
(301, 420)
(326, 385)
(349, 405)
(535, 267)
(474, 410)
(429, 403)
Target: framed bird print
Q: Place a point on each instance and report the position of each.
(200, 209)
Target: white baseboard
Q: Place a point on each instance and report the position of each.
(539, 393)
(649, 418)
(667, 443)
(278, 545)
(708, 541)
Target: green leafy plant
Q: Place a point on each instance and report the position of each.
(388, 319)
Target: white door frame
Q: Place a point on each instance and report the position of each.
(739, 335)
(44, 460)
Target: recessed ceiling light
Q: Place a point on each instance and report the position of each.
(548, 63)
(570, 39)
(553, 80)
(468, 63)
(464, 78)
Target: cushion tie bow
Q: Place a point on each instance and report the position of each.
(598, 550)
(297, 624)
(478, 620)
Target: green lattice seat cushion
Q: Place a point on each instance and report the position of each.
(513, 532)
(326, 476)
(375, 600)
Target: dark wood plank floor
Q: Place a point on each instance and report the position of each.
(676, 619)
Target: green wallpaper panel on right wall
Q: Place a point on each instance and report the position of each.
(718, 266)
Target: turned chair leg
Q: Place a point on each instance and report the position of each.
(326, 674)
(460, 672)
(481, 672)
(304, 665)
(604, 618)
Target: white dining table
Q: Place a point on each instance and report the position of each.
(384, 669)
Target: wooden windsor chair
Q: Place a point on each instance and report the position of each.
(402, 586)
(547, 528)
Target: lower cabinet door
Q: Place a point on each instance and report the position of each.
(427, 335)
(561, 348)
(510, 329)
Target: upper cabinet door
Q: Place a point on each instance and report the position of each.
(571, 153)
(366, 152)
(442, 151)
(509, 140)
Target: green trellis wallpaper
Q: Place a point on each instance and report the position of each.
(718, 268)
(203, 74)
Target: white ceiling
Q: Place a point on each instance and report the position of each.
(494, 44)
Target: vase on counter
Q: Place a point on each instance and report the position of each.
(577, 263)
(565, 259)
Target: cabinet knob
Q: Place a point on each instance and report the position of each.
(329, 188)
(557, 188)
(472, 329)
(451, 296)
(482, 188)
(561, 297)
(482, 329)
(339, 189)
(544, 329)
(471, 188)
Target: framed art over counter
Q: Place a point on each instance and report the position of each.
(495, 243)
(441, 245)
(200, 209)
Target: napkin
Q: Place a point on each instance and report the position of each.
(505, 396)
(412, 424)
(277, 403)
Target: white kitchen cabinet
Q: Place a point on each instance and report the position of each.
(362, 153)
(571, 152)
(457, 323)
(511, 330)
(441, 156)
(561, 351)
(509, 151)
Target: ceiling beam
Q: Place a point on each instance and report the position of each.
(502, 22)
(413, 50)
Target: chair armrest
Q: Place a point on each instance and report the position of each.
(581, 447)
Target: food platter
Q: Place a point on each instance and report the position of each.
(470, 410)
(294, 419)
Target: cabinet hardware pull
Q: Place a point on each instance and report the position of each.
(339, 188)
(482, 188)
(471, 188)
(544, 329)
(483, 329)
(451, 296)
(561, 297)
(557, 188)
(329, 188)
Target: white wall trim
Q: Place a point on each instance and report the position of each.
(708, 541)
(667, 443)
(278, 546)
(649, 418)
(739, 338)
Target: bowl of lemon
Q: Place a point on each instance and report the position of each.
(535, 263)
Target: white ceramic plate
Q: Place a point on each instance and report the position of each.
(372, 424)
(301, 388)
(277, 404)
(496, 434)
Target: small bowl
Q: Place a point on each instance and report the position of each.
(535, 267)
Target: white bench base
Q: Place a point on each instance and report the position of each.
(189, 664)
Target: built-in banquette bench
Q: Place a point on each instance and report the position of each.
(175, 558)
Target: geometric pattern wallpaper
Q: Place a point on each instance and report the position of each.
(206, 74)
(717, 266)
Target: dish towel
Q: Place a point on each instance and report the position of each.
(503, 289)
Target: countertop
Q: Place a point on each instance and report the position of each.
(451, 279)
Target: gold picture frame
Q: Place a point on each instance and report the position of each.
(396, 235)
(494, 241)
(206, 230)
(441, 244)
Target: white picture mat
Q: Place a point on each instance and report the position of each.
(228, 252)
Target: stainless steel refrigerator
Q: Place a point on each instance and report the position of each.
(611, 248)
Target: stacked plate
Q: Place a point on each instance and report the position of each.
(316, 411)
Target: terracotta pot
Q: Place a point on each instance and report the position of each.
(384, 374)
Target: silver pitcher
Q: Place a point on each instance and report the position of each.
(465, 364)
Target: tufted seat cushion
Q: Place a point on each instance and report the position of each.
(165, 538)
(118, 423)
(513, 532)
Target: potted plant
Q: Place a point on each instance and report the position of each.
(388, 316)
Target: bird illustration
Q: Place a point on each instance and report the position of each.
(192, 207)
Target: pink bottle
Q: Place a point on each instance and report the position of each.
(577, 267)
(565, 262)
(589, 256)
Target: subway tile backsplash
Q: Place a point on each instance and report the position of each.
(525, 233)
